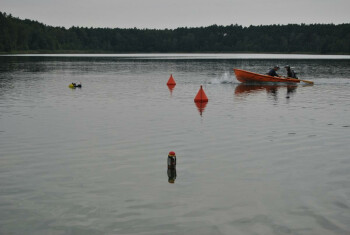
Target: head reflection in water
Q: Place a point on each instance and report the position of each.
(171, 175)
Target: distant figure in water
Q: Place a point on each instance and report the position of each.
(76, 85)
(290, 72)
(273, 73)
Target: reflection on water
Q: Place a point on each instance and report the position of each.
(246, 89)
(201, 106)
(171, 88)
(272, 89)
(171, 175)
(291, 90)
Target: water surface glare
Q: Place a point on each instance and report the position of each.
(257, 159)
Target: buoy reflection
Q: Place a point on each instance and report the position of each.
(171, 175)
(201, 107)
(171, 88)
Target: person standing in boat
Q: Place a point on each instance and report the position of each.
(272, 71)
(290, 72)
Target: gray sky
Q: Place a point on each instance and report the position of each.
(177, 13)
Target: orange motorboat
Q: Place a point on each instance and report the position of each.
(246, 76)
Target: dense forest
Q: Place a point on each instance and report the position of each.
(17, 35)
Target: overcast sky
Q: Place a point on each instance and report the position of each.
(177, 13)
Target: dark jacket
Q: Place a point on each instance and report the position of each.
(291, 73)
(273, 73)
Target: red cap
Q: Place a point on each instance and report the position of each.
(171, 153)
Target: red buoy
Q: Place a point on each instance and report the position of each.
(171, 80)
(201, 96)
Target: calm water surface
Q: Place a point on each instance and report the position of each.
(257, 159)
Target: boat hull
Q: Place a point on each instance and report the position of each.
(246, 76)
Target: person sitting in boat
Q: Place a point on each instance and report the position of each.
(272, 71)
(290, 72)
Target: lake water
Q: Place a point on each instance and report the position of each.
(257, 159)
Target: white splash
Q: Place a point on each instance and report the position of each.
(225, 78)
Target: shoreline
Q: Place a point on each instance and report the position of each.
(76, 52)
(189, 56)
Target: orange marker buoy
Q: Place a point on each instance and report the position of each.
(201, 96)
(171, 80)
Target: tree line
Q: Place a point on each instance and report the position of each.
(17, 35)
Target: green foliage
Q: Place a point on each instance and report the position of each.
(27, 35)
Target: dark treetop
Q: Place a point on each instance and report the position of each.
(18, 35)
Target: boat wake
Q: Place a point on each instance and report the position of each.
(225, 78)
